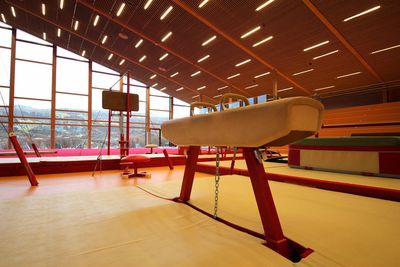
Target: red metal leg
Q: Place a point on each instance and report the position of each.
(170, 165)
(21, 155)
(188, 176)
(266, 207)
(36, 150)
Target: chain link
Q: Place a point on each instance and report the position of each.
(217, 176)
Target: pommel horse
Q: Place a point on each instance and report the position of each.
(274, 123)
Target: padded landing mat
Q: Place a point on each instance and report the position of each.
(343, 229)
(120, 227)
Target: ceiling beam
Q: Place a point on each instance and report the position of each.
(238, 44)
(341, 38)
(155, 42)
(96, 44)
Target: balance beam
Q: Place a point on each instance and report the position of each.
(273, 123)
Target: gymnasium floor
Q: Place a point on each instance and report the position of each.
(78, 220)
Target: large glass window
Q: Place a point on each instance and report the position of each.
(32, 80)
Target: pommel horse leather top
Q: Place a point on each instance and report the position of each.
(274, 123)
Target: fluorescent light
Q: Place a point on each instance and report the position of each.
(362, 13)
(153, 76)
(243, 62)
(147, 4)
(166, 37)
(223, 87)
(83, 53)
(264, 5)
(203, 58)
(43, 9)
(110, 56)
(377, 51)
(195, 96)
(164, 56)
(347, 75)
(285, 89)
(262, 74)
(201, 88)
(209, 40)
(96, 20)
(314, 46)
(233, 76)
(122, 62)
(324, 88)
(142, 58)
(61, 4)
(203, 3)
(3, 18)
(302, 72)
(164, 88)
(58, 32)
(138, 43)
(194, 74)
(173, 75)
(250, 32)
(216, 96)
(251, 86)
(263, 41)
(76, 25)
(13, 11)
(104, 39)
(166, 13)
(121, 8)
(44, 36)
(179, 89)
(154, 85)
(324, 55)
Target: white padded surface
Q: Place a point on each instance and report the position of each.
(279, 122)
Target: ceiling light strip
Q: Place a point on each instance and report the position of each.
(154, 85)
(201, 88)
(251, 86)
(142, 58)
(302, 72)
(385, 49)
(166, 37)
(348, 75)
(285, 89)
(362, 13)
(153, 76)
(324, 55)
(163, 89)
(104, 39)
(3, 18)
(315, 46)
(203, 58)
(223, 87)
(262, 74)
(324, 88)
(263, 41)
(122, 62)
(179, 89)
(250, 32)
(76, 25)
(96, 20)
(203, 3)
(196, 73)
(43, 9)
(173, 75)
(209, 40)
(195, 96)
(61, 4)
(163, 57)
(13, 12)
(146, 6)
(58, 32)
(243, 62)
(166, 12)
(44, 36)
(121, 8)
(83, 53)
(110, 56)
(233, 76)
(139, 43)
(264, 5)
(216, 96)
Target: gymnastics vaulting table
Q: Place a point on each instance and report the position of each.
(275, 123)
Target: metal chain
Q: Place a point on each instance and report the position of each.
(217, 176)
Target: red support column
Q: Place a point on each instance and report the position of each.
(21, 155)
(188, 176)
(266, 207)
(109, 132)
(36, 150)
